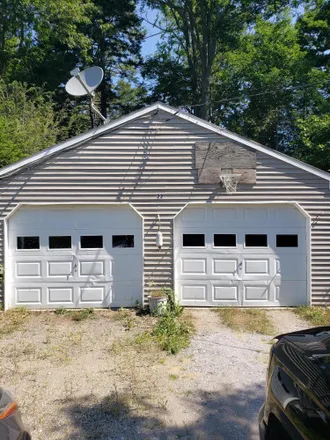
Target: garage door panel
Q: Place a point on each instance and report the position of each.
(224, 293)
(61, 269)
(191, 292)
(256, 292)
(28, 269)
(91, 294)
(193, 266)
(28, 295)
(256, 266)
(225, 267)
(95, 267)
(60, 294)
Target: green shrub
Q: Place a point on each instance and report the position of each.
(172, 307)
(173, 333)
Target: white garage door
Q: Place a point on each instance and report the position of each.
(241, 255)
(74, 256)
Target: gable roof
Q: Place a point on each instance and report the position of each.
(109, 126)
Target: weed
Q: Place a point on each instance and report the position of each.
(172, 305)
(61, 311)
(47, 338)
(173, 376)
(115, 405)
(75, 338)
(315, 315)
(57, 352)
(250, 320)
(81, 315)
(144, 338)
(126, 317)
(173, 333)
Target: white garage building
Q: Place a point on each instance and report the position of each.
(79, 220)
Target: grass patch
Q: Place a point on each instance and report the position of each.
(314, 315)
(61, 311)
(81, 315)
(76, 315)
(12, 320)
(248, 320)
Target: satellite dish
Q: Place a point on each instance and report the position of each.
(85, 82)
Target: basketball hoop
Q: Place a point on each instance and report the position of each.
(229, 182)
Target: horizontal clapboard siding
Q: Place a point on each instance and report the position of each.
(149, 163)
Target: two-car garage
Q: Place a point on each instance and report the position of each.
(92, 255)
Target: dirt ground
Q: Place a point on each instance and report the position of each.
(104, 377)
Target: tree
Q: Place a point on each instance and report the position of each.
(266, 71)
(61, 34)
(28, 122)
(314, 140)
(115, 33)
(204, 30)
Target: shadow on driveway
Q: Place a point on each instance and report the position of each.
(222, 415)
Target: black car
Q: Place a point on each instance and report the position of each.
(297, 403)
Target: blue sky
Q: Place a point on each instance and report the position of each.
(149, 45)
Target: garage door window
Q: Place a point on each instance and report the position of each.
(224, 240)
(193, 240)
(91, 241)
(28, 243)
(123, 241)
(256, 240)
(287, 240)
(60, 242)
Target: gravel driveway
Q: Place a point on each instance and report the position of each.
(102, 378)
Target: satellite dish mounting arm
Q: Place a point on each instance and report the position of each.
(76, 73)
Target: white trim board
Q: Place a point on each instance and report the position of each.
(109, 126)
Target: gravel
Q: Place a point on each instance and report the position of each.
(87, 380)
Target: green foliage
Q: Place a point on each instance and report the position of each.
(81, 315)
(172, 330)
(61, 312)
(173, 334)
(28, 122)
(314, 315)
(172, 306)
(314, 132)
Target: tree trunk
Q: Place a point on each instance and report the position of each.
(203, 111)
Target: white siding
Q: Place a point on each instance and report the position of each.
(153, 156)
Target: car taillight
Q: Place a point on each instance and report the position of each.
(7, 404)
